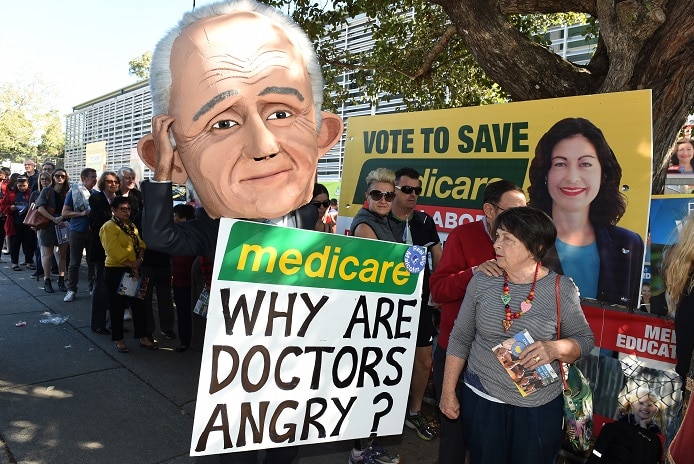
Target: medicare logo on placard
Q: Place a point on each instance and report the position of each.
(293, 257)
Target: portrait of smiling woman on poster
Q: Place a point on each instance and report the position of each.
(575, 178)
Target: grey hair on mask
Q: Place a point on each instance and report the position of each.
(160, 71)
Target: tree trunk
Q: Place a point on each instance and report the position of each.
(643, 44)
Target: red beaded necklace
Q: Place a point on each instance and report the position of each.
(525, 305)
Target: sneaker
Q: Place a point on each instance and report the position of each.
(419, 423)
(373, 454)
(380, 455)
(69, 296)
(170, 335)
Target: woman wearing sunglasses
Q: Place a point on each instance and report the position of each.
(372, 222)
(321, 200)
(50, 204)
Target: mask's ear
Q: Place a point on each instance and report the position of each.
(330, 132)
(148, 153)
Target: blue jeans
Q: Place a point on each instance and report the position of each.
(504, 434)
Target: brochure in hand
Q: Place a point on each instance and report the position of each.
(527, 380)
(132, 286)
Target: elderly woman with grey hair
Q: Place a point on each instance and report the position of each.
(517, 428)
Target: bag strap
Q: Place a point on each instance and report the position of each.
(561, 364)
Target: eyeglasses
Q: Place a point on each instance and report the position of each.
(376, 195)
(406, 189)
(324, 204)
(124, 208)
(61, 176)
(111, 182)
(496, 205)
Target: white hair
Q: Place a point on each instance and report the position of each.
(160, 70)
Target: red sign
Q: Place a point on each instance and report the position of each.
(645, 336)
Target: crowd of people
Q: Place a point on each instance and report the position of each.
(240, 141)
(97, 220)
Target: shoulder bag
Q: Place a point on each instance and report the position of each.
(35, 220)
(578, 400)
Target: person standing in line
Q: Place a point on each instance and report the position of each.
(499, 423)
(128, 188)
(181, 282)
(124, 253)
(469, 249)
(417, 228)
(15, 205)
(48, 167)
(321, 201)
(31, 174)
(45, 180)
(76, 209)
(100, 213)
(373, 222)
(50, 204)
(3, 216)
(157, 268)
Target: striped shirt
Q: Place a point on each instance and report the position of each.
(478, 329)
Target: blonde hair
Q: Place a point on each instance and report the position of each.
(677, 265)
(380, 175)
(635, 397)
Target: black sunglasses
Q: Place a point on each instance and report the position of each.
(406, 189)
(324, 204)
(376, 195)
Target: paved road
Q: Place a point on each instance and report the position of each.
(67, 397)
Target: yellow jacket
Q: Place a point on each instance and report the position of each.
(118, 245)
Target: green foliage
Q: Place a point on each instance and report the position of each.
(52, 143)
(417, 55)
(139, 66)
(26, 128)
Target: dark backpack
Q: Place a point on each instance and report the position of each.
(624, 443)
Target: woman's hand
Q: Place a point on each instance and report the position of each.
(57, 219)
(449, 405)
(538, 353)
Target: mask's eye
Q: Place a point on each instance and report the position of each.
(280, 115)
(225, 124)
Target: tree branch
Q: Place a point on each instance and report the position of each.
(503, 51)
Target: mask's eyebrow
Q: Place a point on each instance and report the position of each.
(210, 104)
(282, 91)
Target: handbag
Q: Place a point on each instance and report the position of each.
(35, 220)
(578, 400)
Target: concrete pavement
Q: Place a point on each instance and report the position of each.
(67, 396)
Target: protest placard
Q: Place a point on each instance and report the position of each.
(310, 338)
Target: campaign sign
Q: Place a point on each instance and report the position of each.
(310, 338)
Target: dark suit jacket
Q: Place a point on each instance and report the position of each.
(99, 214)
(621, 260)
(197, 237)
